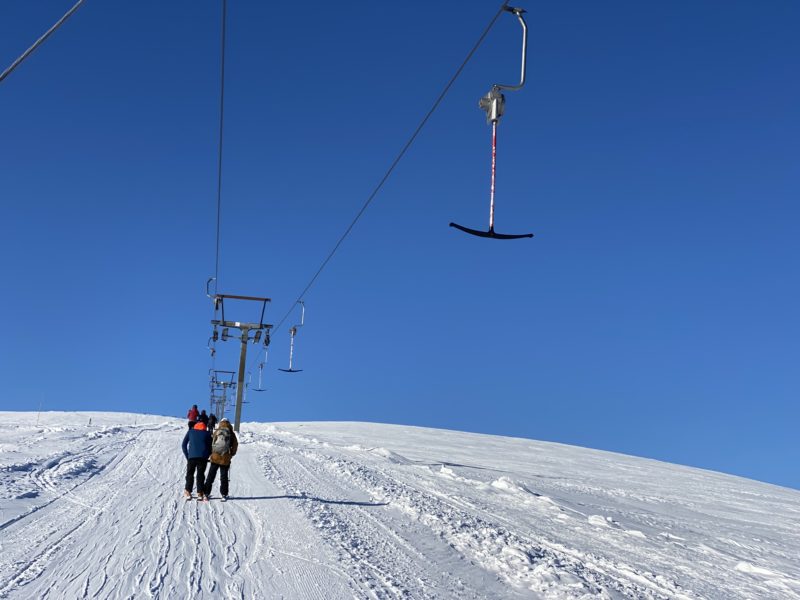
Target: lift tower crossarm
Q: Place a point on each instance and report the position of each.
(237, 324)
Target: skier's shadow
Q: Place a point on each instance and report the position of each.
(312, 498)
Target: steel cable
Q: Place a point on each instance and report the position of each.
(40, 41)
(219, 147)
(213, 346)
(385, 177)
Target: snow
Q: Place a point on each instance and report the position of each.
(361, 510)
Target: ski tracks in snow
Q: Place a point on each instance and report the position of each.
(596, 526)
(397, 539)
(98, 513)
(386, 555)
(52, 536)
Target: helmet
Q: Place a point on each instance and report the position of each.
(200, 425)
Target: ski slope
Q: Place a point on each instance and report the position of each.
(359, 510)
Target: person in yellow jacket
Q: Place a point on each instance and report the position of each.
(223, 447)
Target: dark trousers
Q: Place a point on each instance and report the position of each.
(195, 470)
(212, 474)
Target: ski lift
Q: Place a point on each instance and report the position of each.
(247, 387)
(292, 334)
(493, 103)
(221, 379)
(261, 387)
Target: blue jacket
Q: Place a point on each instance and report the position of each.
(197, 444)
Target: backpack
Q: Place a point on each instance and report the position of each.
(222, 441)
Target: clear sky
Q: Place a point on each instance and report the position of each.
(653, 152)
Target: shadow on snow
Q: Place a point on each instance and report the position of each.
(312, 498)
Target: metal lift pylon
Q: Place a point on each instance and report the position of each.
(220, 383)
(259, 330)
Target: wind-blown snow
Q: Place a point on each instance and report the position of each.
(358, 510)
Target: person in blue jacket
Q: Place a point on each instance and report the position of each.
(196, 449)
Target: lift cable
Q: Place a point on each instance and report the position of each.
(402, 152)
(213, 342)
(40, 41)
(221, 129)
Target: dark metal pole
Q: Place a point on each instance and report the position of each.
(240, 386)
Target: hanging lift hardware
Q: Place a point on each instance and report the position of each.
(261, 387)
(493, 103)
(292, 334)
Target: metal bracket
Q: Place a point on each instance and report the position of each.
(493, 103)
(518, 12)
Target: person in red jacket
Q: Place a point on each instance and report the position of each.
(192, 415)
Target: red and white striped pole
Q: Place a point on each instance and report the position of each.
(494, 172)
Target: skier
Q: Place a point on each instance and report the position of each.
(203, 418)
(212, 422)
(223, 447)
(192, 415)
(196, 448)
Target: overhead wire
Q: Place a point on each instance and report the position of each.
(213, 346)
(219, 146)
(40, 41)
(389, 171)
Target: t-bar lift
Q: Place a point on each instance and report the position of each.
(292, 334)
(261, 387)
(493, 103)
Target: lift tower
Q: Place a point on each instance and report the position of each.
(220, 382)
(249, 332)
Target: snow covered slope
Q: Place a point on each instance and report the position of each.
(356, 510)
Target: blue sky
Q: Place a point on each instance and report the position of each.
(653, 152)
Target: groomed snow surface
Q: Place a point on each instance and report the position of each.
(360, 510)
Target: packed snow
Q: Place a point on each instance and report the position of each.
(91, 506)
